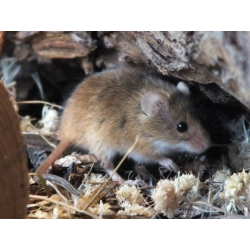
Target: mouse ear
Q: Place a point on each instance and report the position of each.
(182, 86)
(152, 101)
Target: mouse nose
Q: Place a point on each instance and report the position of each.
(203, 143)
(200, 143)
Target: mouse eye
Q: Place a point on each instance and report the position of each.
(182, 127)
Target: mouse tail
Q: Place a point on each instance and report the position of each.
(62, 146)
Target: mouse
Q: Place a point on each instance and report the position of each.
(107, 110)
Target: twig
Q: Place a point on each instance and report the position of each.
(40, 102)
(57, 190)
(50, 143)
(38, 197)
(120, 163)
(211, 206)
(205, 211)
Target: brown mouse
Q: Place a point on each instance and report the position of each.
(107, 110)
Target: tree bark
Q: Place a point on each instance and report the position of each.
(203, 57)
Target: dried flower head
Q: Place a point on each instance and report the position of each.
(101, 209)
(165, 198)
(168, 194)
(135, 209)
(236, 191)
(130, 194)
(186, 183)
(131, 199)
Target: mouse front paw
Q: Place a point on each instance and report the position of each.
(169, 164)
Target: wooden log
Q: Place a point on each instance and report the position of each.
(2, 36)
(13, 165)
(26, 35)
(63, 45)
(203, 57)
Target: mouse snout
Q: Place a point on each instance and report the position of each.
(204, 145)
(199, 143)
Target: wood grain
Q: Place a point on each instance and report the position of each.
(2, 35)
(13, 165)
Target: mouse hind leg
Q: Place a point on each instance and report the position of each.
(107, 156)
(108, 165)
